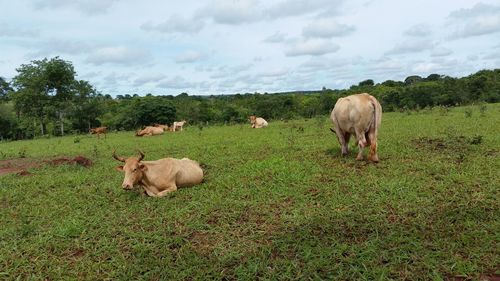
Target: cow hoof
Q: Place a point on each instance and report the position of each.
(373, 159)
(359, 158)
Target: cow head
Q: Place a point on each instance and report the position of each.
(252, 118)
(133, 168)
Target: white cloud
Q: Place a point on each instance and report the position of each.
(480, 26)
(7, 30)
(411, 46)
(327, 28)
(441, 52)
(114, 78)
(188, 57)
(120, 55)
(274, 72)
(314, 47)
(176, 23)
(276, 37)
(289, 8)
(481, 19)
(145, 79)
(231, 12)
(419, 30)
(87, 7)
(479, 9)
(176, 82)
(58, 47)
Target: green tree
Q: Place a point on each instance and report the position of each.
(44, 87)
(5, 88)
(412, 79)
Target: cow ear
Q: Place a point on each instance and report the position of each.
(119, 168)
(143, 167)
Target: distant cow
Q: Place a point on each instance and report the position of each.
(160, 177)
(98, 131)
(361, 115)
(257, 122)
(164, 127)
(149, 131)
(178, 125)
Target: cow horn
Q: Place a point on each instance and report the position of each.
(141, 155)
(121, 159)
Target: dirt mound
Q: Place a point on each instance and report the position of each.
(78, 160)
(20, 165)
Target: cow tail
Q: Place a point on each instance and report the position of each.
(377, 114)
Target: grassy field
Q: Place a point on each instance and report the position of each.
(277, 203)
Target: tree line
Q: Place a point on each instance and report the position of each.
(46, 98)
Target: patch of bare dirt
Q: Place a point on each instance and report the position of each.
(20, 165)
(455, 143)
(78, 160)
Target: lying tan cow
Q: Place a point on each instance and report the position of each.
(150, 131)
(361, 115)
(160, 177)
(257, 122)
(98, 131)
(164, 127)
(178, 125)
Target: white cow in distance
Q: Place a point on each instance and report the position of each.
(178, 125)
(361, 115)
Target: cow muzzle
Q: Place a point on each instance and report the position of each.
(127, 186)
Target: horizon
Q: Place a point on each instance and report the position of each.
(246, 46)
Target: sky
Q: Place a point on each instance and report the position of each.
(244, 46)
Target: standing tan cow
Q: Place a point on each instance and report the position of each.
(149, 131)
(98, 131)
(257, 122)
(361, 115)
(160, 177)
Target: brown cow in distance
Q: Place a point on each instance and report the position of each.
(160, 177)
(360, 115)
(98, 131)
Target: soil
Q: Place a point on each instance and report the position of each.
(20, 165)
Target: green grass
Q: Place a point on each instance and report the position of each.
(277, 203)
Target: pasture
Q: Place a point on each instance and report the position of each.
(277, 203)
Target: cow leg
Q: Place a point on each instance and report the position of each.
(343, 144)
(347, 137)
(169, 189)
(372, 156)
(360, 135)
(149, 193)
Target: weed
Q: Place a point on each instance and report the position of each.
(22, 153)
(468, 112)
(482, 109)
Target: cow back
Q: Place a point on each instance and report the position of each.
(355, 112)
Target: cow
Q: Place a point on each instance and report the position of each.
(98, 131)
(257, 122)
(164, 127)
(160, 177)
(149, 131)
(178, 125)
(359, 114)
